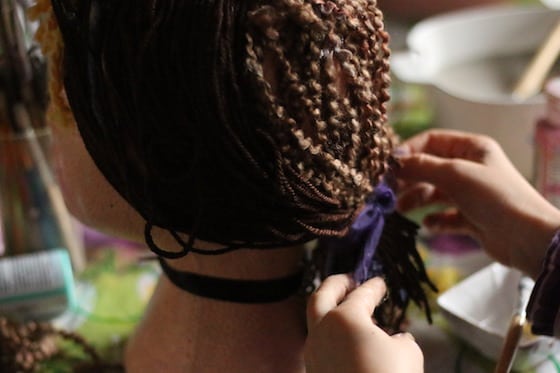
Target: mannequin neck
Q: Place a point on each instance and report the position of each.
(187, 333)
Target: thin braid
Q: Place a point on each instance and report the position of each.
(24, 346)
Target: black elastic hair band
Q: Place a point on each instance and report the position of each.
(238, 291)
(187, 246)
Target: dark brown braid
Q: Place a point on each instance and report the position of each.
(24, 346)
(248, 123)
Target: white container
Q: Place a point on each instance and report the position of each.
(479, 310)
(470, 60)
(36, 286)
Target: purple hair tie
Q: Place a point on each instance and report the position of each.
(368, 227)
(380, 242)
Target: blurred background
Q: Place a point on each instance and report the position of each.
(455, 63)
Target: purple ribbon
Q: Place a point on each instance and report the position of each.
(368, 228)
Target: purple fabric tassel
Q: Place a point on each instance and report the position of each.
(368, 227)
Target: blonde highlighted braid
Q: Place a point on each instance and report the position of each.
(49, 38)
(330, 97)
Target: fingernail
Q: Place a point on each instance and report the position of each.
(405, 335)
(380, 281)
(401, 151)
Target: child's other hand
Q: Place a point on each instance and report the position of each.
(343, 337)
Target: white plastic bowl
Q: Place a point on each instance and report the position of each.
(416, 9)
(470, 60)
(554, 4)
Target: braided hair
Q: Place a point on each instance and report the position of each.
(254, 123)
(247, 123)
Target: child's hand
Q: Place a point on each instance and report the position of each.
(343, 337)
(487, 196)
